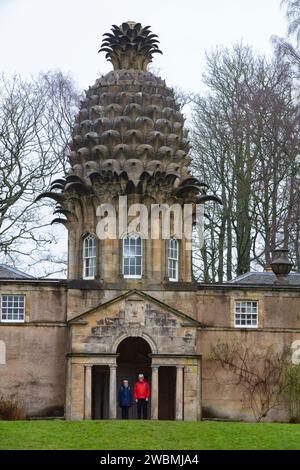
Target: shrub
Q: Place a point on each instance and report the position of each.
(292, 392)
(11, 410)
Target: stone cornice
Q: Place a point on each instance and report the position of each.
(34, 323)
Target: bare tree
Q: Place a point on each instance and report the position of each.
(288, 48)
(259, 373)
(293, 17)
(35, 122)
(245, 132)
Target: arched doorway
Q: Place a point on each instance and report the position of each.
(133, 359)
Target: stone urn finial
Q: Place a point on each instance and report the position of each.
(130, 46)
(281, 264)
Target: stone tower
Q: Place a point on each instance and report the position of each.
(127, 293)
(128, 140)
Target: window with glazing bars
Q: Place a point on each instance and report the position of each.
(12, 308)
(89, 257)
(246, 314)
(173, 259)
(132, 257)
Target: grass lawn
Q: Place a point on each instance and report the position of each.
(146, 435)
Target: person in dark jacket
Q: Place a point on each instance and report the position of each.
(125, 398)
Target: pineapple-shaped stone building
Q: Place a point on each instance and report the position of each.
(129, 141)
(127, 291)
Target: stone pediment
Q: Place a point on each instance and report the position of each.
(136, 302)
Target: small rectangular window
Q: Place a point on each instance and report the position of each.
(12, 308)
(246, 314)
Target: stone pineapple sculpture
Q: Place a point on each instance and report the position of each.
(129, 136)
(130, 46)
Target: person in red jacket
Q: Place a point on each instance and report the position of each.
(141, 395)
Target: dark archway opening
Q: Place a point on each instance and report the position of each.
(134, 358)
(100, 392)
(166, 392)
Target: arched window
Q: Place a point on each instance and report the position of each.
(89, 257)
(173, 259)
(132, 257)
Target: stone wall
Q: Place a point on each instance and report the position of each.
(34, 370)
(33, 354)
(279, 326)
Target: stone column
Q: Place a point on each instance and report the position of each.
(179, 393)
(154, 393)
(88, 393)
(112, 392)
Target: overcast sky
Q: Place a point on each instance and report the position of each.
(66, 34)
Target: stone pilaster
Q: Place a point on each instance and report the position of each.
(68, 396)
(154, 393)
(179, 393)
(88, 392)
